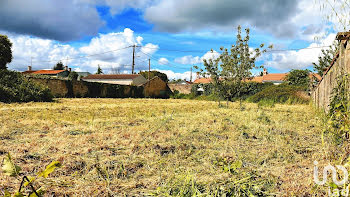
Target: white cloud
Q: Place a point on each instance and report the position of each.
(119, 59)
(43, 53)
(163, 61)
(211, 55)
(189, 59)
(139, 40)
(300, 59)
(174, 75)
(111, 49)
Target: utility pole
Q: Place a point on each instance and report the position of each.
(191, 75)
(133, 59)
(67, 61)
(149, 67)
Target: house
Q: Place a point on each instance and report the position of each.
(52, 73)
(275, 78)
(83, 74)
(278, 78)
(121, 79)
(181, 86)
(202, 80)
(183, 82)
(156, 88)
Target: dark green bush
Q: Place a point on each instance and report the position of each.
(281, 94)
(73, 75)
(249, 88)
(252, 88)
(14, 87)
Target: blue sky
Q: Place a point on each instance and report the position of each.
(174, 34)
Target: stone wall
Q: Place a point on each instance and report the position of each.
(67, 88)
(321, 94)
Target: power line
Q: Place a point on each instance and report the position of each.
(169, 64)
(173, 50)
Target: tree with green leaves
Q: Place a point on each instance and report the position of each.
(154, 73)
(326, 58)
(99, 70)
(298, 78)
(73, 75)
(5, 51)
(234, 66)
(59, 66)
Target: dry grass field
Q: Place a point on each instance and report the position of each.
(141, 147)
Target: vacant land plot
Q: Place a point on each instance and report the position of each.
(144, 146)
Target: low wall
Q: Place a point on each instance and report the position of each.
(67, 88)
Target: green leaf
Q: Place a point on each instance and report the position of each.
(31, 179)
(39, 191)
(237, 164)
(18, 194)
(9, 168)
(7, 194)
(50, 168)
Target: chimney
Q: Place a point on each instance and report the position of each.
(66, 68)
(70, 69)
(264, 72)
(29, 68)
(198, 75)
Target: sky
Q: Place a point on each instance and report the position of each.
(174, 34)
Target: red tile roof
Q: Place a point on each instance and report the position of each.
(266, 78)
(318, 77)
(119, 76)
(274, 77)
(202, 80)
(48, 72)
(258, 79)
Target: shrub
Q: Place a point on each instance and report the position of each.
(281, 94)
(248, 89)
(298, 78)
(73, 75)
(14, 87)
(251, 88)
(339, 111)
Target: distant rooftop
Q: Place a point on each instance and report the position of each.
(118, 76)
(47, 72)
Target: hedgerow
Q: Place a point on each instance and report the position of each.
(281, 94)
(14, 87)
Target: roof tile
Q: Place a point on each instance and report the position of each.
(48, 72)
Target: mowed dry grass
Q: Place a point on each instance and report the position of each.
(134, 146)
